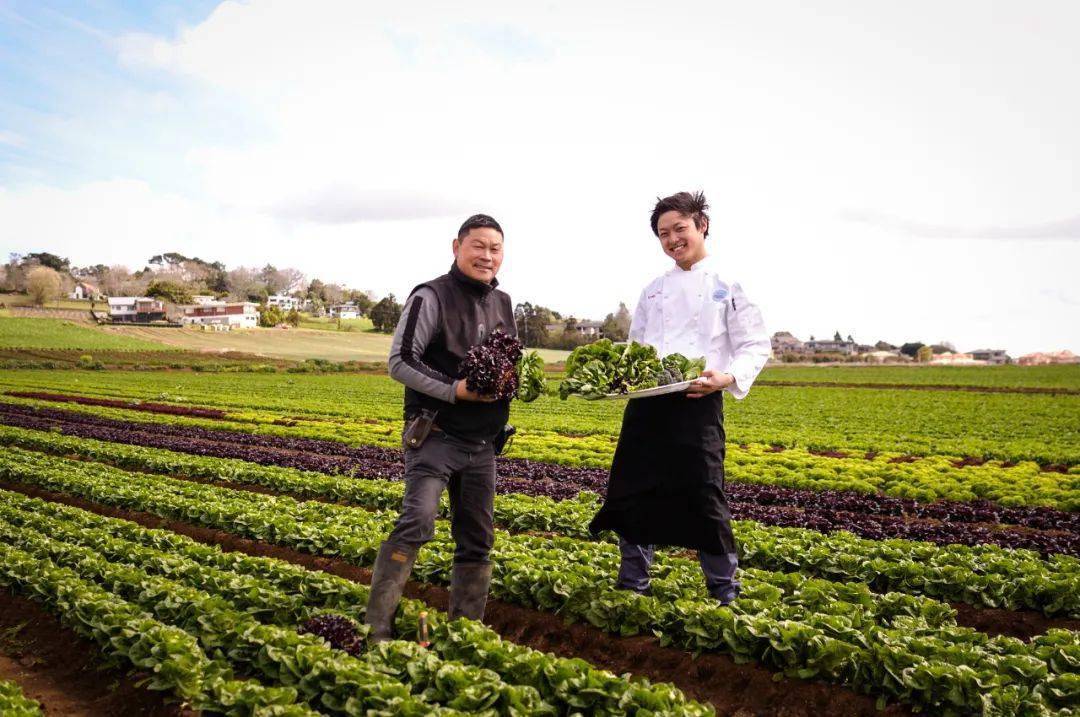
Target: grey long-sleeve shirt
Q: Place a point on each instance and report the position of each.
(419, 319)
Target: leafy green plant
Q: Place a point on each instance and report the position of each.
(532, 380)
(13, 703)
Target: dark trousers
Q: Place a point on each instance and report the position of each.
(467, 469)
(719, 569)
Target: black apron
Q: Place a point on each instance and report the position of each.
(667, 478)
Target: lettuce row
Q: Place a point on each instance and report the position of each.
(981, 575)
(887, 660)
(285, 595)
(126, 633)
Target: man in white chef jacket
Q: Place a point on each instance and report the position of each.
(667, 478)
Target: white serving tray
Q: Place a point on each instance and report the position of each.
(647, 393)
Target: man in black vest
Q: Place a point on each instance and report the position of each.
(441, 321)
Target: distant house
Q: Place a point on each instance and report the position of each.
(284, 302)
(783, 342)
(884, 356)
(955, 359)
(591, 329)
(85, 290)
(344, 311)
(199, 299)
(221, 314)
(830, 346)
(1045, 359)
(135, 309)
(994, 357)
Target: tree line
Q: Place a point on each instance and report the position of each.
(176, 279)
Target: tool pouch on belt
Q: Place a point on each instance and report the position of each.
(418, 429)
(504, 440)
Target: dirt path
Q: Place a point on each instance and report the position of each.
(64, 672)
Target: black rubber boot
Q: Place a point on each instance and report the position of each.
(392, 568)
(469, 584)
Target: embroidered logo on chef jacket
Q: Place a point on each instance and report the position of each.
(719, 295)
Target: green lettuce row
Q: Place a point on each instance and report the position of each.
(171, 657)
(801, 593)
(980, 575)
(977, 575)
(572, 687)
(289, 608)
(13, 703)
(329, 679)
(931, 477)
(888, 661)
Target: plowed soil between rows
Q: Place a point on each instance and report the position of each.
(65, 672)
(737, 690)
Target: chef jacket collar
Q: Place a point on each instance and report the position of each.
(705, 262)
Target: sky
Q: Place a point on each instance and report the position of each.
(897, 171)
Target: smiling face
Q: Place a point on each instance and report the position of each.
(681, 238)
(479, 253)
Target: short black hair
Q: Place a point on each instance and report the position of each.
(685, 203)
(478, 221)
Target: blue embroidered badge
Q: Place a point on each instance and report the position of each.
(719, 295)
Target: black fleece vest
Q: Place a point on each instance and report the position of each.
(469, 310)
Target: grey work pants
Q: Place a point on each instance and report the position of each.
(719, 570)
(467, 469)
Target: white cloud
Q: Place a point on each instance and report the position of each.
(1067, 229)
(12, 139)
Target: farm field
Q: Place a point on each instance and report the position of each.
(1009, 377)
(37, 333)
(1039, 428)
(901, 549)
(325, 323)
(296, 344)
(25, 300)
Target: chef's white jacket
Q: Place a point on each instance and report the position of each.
(697, 313)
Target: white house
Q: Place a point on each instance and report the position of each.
(202, 299)
(235, 314)
(591, 329)
(994, 357)
(830, 346)
(284, 302)
(84, 290)
(955, 359)
(344, 311)
(883, 356)
(135, 309)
